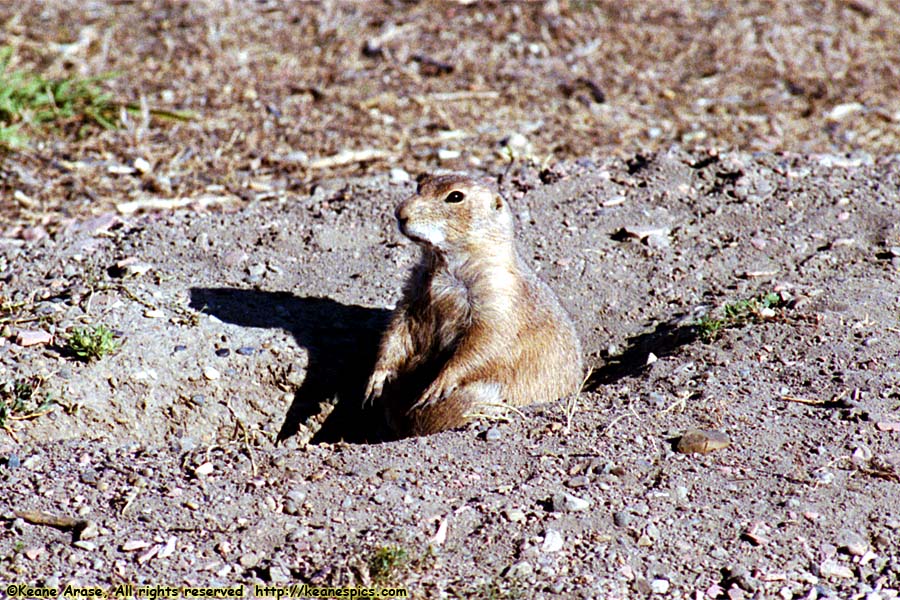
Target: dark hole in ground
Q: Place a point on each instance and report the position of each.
(342, 342)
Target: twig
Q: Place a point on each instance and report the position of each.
(457, 96)
(814, 402)
(10, 432)
(36, 517)
(29, 416)
(617, 419)
(573, 402)
(245, 435)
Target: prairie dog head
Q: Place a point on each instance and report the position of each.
(452, 212)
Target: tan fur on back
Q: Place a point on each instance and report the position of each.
(476, 330)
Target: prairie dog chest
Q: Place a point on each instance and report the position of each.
(449, 308)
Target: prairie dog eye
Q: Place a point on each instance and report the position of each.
(454, 196)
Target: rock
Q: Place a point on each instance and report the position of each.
(641, 233)
(553, 541)
(566, 502)
(204, 469)
(246, 350)
(390, 474)
(169, 549)
(622, 518)
(659, 586)
(852, 543)
(211, 373)
(223, 352)
(399, 175)
(130, 267)
(832, 569)
(445, 154)
(518, 145)
(823, 477)
(33, 337)
(702, 441)
(249, 560)
(279, 574)
(520, 570)
(88, 531)
(514, 515)
(142, 166)
(842, 111)
(492, 435)
(578, 481)
(132, 545)
(88, 546)
(13, 462)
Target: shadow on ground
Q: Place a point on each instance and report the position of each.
(342, 342)
(664, 340)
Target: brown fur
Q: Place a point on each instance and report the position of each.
(476, 329)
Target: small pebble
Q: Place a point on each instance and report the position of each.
(399, 175)
(223, 352)
(179, 348)
(702, 441)
(132, 545)
(514, 515)
(659, 586)
(492, 435)
(211, 373)
(198, 399)
(249, 560)
(246, 350)
(34, 553)
(553, 541)
(578, 481)
(141, 165)
(390, 474)
(89, 531)
(832, 569)
(520, 570)
(13, 461)
(823, 477)
(622, 518)
(566, 502)
(279, 574)
(88, 546)
(204, 469)
(852, 543)
(31, 337)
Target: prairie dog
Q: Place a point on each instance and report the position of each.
(476, 330)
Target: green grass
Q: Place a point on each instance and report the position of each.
(91, 343)
(737, 314)
(29, 101)
(22, 398)
(385, 563)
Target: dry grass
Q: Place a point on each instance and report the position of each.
(278, 85)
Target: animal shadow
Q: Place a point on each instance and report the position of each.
(342, 345)
(662, 341)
